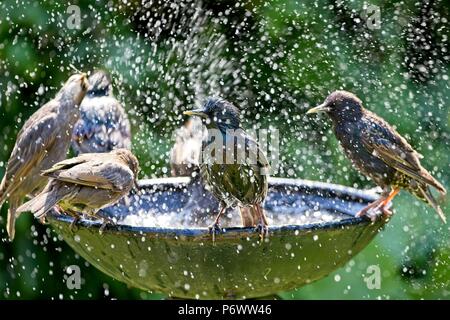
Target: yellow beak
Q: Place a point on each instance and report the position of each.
(198, 113)
(321, 108)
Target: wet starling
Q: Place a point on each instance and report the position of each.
(43, 140)
(238, 181)
(86, 183)
(103, 124)
(379, 152)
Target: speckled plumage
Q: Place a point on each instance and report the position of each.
(234, 183)
(43, 140)
(378, 150)
(103, 124)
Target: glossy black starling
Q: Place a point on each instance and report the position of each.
(235, 180)
(379, 152)
(103, 124)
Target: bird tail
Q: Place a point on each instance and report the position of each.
(250, 215)
(424, 193)
(3, 190)
(11, 220)
(43, 202)
(434, 183)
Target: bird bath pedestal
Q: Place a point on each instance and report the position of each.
(185, 263)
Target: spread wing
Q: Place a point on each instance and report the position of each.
(94, 170)
(33, 141)
(385, 143)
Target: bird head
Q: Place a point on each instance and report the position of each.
(340, 106)
(130, 160)
(75, 87)
(100, 83)
(218, 113)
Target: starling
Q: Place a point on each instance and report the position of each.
(43, 141)
(379, 152)
(103, 124)
(86, 183)
(185, 154)
(238, 181)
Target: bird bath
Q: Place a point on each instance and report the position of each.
(313, 232)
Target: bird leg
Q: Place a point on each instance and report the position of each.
(215, 227)
(383, 205)
(379, 204)
(262, 224)
(365, 211)
(107, 221)
(76, 218)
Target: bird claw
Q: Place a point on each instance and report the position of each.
(74, 224)
(374, 213)
(106, 223)
(263, 231)
(213, 230)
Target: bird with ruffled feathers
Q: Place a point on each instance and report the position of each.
(232, 181)
(43, 141)
(103, 124)
(86, 184)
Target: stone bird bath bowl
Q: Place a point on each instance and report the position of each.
(313, 232)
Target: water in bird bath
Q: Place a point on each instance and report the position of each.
(182, 208)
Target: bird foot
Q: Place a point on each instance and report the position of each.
(213, 230)
(74, 224)
(107, 222)
(43, 219)
(263, 231)
(380, 210)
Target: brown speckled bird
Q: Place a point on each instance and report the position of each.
(379, 152)
(103, 124)
(86, 184)
(43, 141)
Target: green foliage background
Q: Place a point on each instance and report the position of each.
(274, 59)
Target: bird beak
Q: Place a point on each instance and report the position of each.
(321, 108)
(197, 112)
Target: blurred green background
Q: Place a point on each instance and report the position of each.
(274, 59)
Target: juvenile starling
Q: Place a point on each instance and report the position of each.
(379, 152)
(43, 140)
(185, 153)
(238, 181)
(86, 183)
(103, 124)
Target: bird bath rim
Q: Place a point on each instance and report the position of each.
(177, 182)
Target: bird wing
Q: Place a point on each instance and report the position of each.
(255, 152)
(33, 142)
(385, 143)
(69, 163)
(93, 171)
